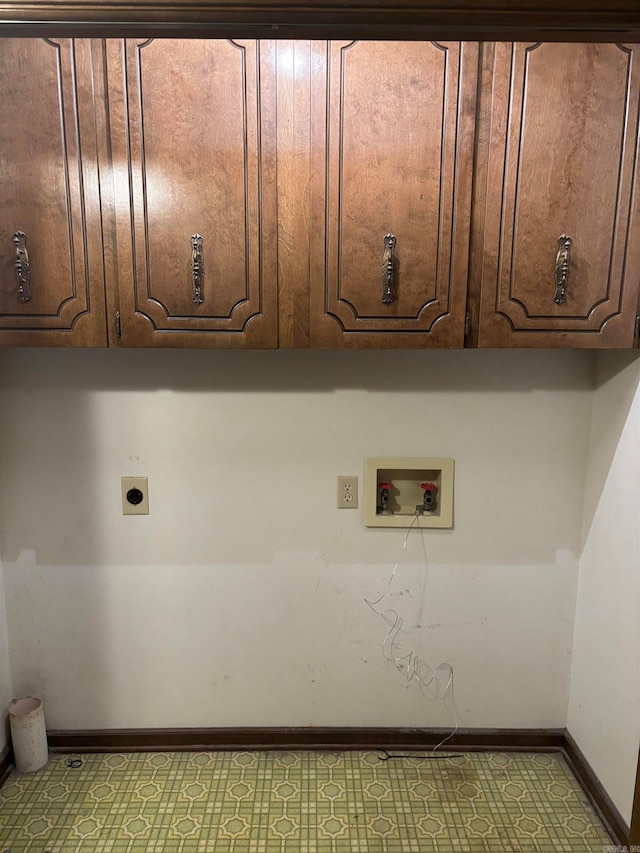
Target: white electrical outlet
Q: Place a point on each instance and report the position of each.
(135, 496)
(347, 492)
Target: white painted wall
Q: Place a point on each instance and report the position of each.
(5, 669)
(239, 600)
(604, 708)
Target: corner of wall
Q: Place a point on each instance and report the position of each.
(6, 687)
(605, 722)
(5, 670)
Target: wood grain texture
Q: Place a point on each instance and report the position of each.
(313, 737)
(563, 20)
(104, 166)
(49, 190)
(393, 130)
(479, 190)
(563, 159)
(193, 142)
(293, 157)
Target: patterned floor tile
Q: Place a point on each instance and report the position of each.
(287, 802)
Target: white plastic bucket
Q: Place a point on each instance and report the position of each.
(28, 734)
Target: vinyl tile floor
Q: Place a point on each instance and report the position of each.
(307, 802)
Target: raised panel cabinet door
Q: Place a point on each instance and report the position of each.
(561, 249)
(51, 267)
(392, 155)
(192, 125)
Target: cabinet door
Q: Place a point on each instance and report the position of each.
(392, 152)
(193, 125)
(560, 260)
(51, 269)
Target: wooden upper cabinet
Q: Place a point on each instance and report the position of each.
(392, 154)
(560, 258)
(193, 129)
(51, 270)
(140, 203)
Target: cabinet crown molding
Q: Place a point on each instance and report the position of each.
(548, 20)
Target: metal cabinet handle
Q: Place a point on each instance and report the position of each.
(562, 269)
(197, 269)
(388, 269)
(23, 268)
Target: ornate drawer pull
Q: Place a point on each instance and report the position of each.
(562, 269)
(388, 269)
(197, 268)
(23, 268)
